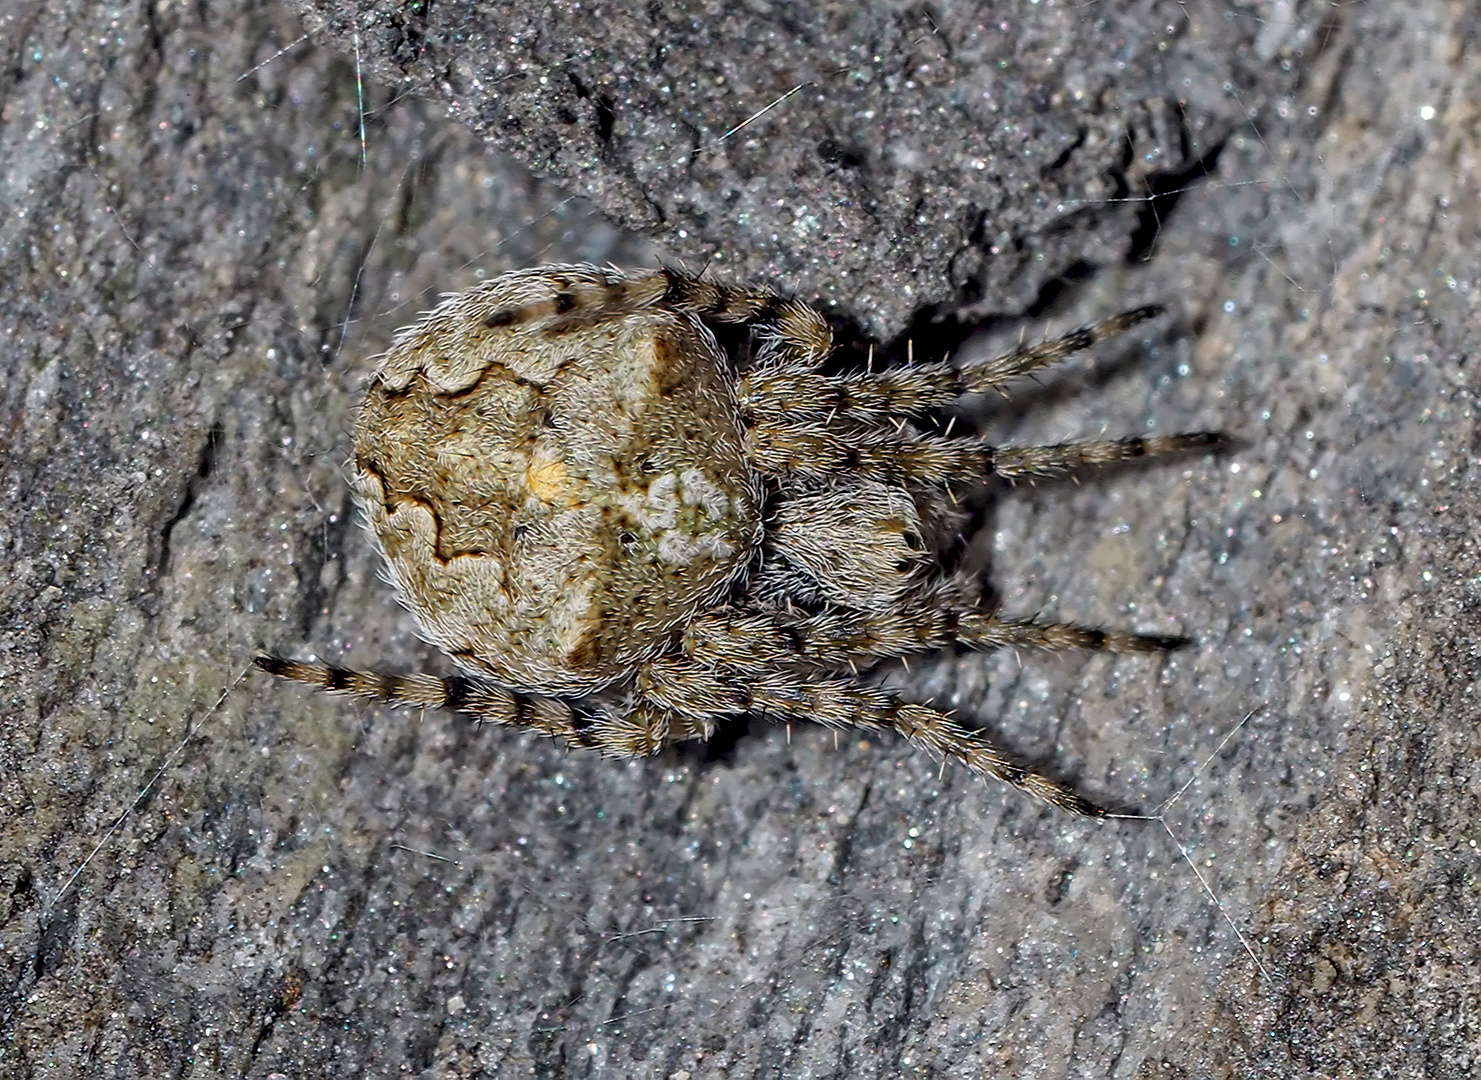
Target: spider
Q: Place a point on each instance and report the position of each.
(623, 536)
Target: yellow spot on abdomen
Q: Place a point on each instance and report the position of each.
(548, 480)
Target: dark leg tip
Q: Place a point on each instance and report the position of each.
(1206, 440)
(273, 665)
(1165, 644)
(1078, 804)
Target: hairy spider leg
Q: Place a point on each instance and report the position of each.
(840, 638)
(642, 730)
(1030, 462)
(816, 451)
(681, 700)
(701, 691)
(796, 394)
(561, 299)
(795, 334)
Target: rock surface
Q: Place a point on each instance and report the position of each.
(211, 221)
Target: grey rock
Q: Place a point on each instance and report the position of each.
(209, 873)
(881, 158)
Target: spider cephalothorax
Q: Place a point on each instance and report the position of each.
(622, 538)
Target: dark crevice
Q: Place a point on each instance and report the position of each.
(413, 206)
(328, 545)
(720, 747)
(1163, 191)
(934, 331)
(641, 962)
(332, 324)
(1068, 152)
(1054, 290)
(844, 849)
(880, 981)
(937, 330)
(406, 34)
(56, 935)
(154, 34)
(18, 33)
(606, 109)
(264, 1032)
(892, 1037)
(844, 156)
(205, 465)
(1059, 886)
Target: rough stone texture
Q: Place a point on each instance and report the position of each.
(913, 155)
(197, 267)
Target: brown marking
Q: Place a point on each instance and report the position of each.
(587, 656)
(673, 364)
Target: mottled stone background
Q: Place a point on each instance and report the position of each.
(211, 219)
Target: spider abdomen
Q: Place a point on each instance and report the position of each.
(559, 500)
